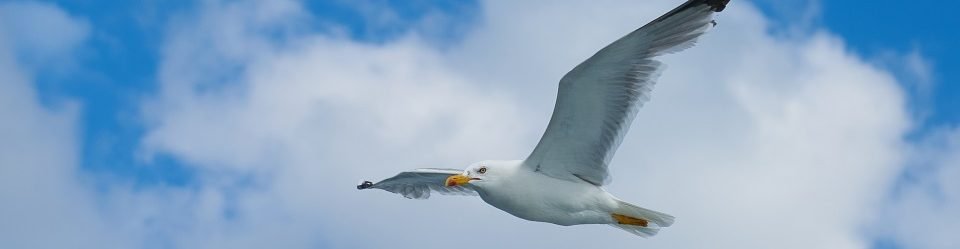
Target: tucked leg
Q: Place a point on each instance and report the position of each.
(627, 220)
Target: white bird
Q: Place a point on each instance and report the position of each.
(560, 182)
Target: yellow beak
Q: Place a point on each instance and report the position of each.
(457, 180)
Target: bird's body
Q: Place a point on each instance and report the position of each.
(569, 202)
(560, 182)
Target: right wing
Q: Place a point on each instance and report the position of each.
(417, 184)
(598, 99)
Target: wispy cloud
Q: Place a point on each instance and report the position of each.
(40, 32)
(923, 211)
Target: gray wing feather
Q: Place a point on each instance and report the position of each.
(418, 183)
(599, 98)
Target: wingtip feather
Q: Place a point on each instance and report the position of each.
(717, 5)
(364, 185)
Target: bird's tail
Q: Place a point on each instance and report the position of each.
(639, 221)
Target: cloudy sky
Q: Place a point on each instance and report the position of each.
(246, 124)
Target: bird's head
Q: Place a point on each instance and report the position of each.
(477, 174)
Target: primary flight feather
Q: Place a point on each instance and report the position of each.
(560, 181)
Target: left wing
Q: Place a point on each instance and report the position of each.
(417, 183)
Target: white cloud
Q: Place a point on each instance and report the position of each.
(43, 200)
(752, 141)
(766, 142)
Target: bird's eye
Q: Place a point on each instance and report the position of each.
(482, 170)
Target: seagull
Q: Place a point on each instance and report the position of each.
(561, 181)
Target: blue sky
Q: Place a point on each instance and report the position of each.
(892, 25)
(134, 120)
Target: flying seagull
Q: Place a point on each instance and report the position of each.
(560, 182)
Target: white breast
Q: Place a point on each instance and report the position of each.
(537, 197)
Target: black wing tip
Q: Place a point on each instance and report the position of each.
(365, 185)
(717, 5)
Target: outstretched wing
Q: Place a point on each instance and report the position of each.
(417, 184)
(598, 99)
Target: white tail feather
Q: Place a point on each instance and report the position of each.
(658, 218)
(638, 230)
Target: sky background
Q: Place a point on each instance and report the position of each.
(246, 124)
